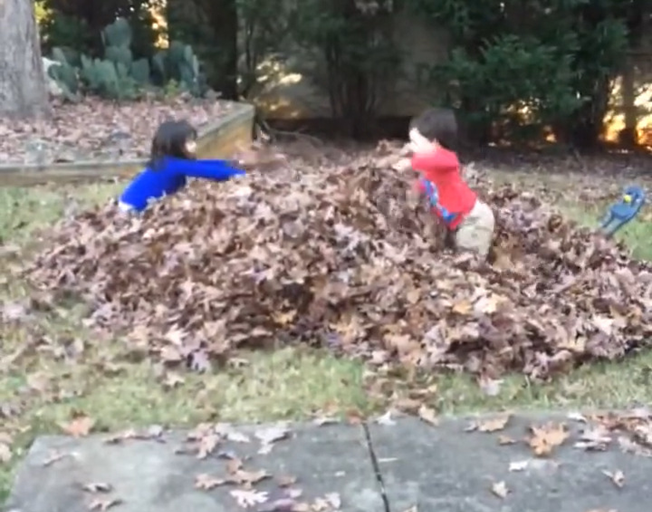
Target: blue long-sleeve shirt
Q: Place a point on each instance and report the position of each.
(170, 176)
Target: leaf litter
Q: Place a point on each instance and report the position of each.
(329, 250)
(109, 129)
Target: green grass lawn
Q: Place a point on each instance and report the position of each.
(43, 389)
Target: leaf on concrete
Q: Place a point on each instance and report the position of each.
(494, 424)
(544, 439)
(617, 477)
(428, 415)
(97, 487)
(207, 482)
(270, 435)
(500, 489)
(597, 438)
(104, 504)
(520, 465)
(248, 499)
(54, 457)
(386, 419)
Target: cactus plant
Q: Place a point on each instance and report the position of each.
(180, 63)
(117, 33)
(118, 76)
(109, 79)
(64, 75)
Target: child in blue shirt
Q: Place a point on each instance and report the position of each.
(172, 161)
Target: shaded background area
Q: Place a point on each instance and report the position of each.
(573, 73)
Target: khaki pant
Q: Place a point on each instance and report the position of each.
(475, 233)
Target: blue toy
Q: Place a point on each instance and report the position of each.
(622, 212)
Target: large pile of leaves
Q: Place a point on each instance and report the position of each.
(334, 252)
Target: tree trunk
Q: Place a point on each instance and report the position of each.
(23, 92)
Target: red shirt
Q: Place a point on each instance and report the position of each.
(450, 197)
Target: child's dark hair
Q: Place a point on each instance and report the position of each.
(439, 124)
(170, 140)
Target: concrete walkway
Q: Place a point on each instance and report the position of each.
(397, 466)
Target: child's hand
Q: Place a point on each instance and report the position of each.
(403, 165)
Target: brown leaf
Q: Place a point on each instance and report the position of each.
(428, 415)
(207, 445)
(490, 425)
(5, 453)
(329, 248)
(546, 438)
(207, 482)
(80, 426)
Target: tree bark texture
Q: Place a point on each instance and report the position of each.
(23, 91)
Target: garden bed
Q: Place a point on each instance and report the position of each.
(96, 139)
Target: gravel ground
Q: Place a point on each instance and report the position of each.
(98, 130)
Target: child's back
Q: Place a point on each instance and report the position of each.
(433, 137)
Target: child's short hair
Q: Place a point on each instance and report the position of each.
(170, 140)
(439, 124)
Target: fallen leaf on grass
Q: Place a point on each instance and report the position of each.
(5, 453)
(500, 489)
(617, 477)
(490, 387)
(428, 415)
(248, 499)
(104, 504)
(172, 380)
(80, 426)
(546, 438)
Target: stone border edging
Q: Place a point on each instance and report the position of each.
(240, 119)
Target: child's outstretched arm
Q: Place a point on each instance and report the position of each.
(219, 170)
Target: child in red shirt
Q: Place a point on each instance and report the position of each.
(433, 138)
